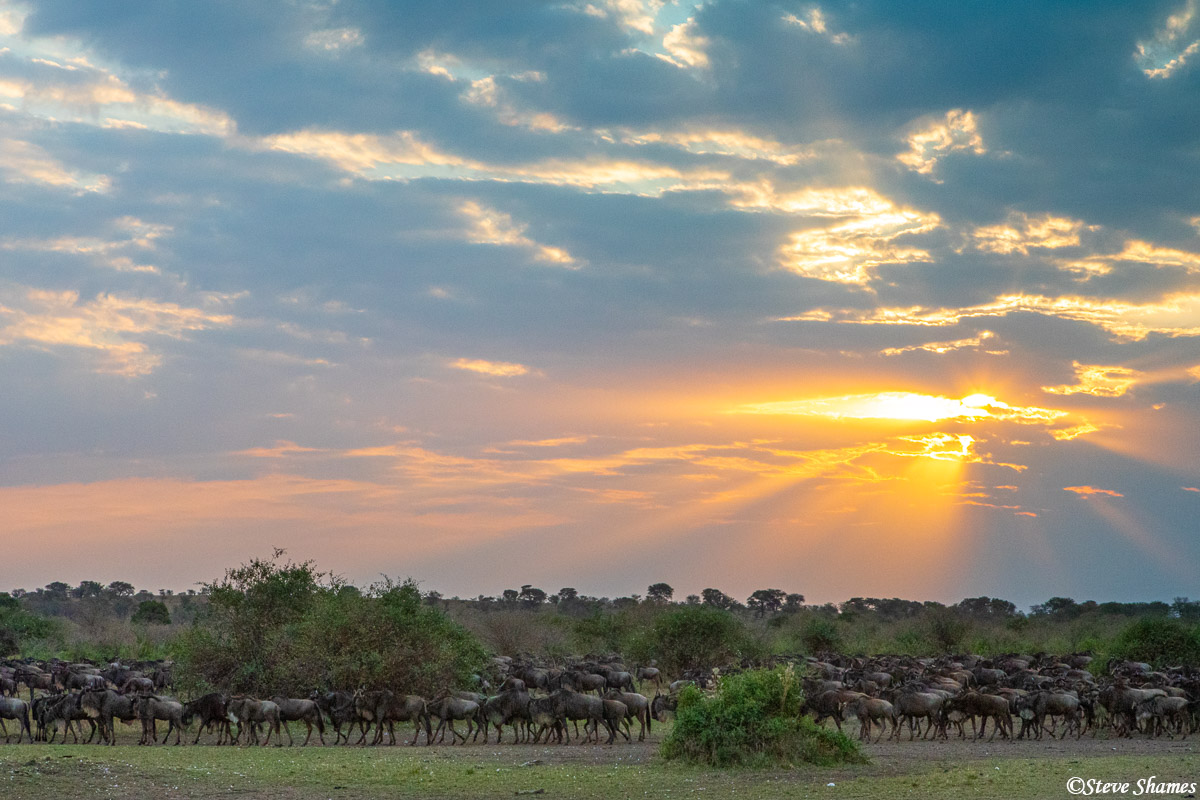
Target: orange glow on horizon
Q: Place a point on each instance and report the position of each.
(904, 406)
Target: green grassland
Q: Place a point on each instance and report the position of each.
(478, 771)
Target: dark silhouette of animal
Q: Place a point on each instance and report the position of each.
(300, 710)
(507, 708)
(338, 707)
(150, 708)
(252, 713)
(212, 711)
(638, 708)
(105, 706)
(448, 709)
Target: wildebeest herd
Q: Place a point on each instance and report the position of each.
(931, 697)
(1046, 695)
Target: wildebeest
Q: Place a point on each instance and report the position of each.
(150, 708)
(299, 710)
(638, 708)
(15, 708)
(1034, 707)
(1161, 714)
(986, 706)
(614, 716)
(507, 708)
(251, 712)
(448, 709)
(871, 711)
(60, 711)
(662, 705)
(546, 715)
(383, 707)
(577, 706)
(652, 674)
(914, 706)
(338, 707)
(105, 706)
(212, 711)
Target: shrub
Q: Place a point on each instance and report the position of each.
(947, 629)
(820, 635)
(753, 720)
(286, 629)
(151, 612)
(1160, 642)
(692, 637)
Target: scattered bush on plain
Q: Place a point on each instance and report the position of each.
(753, 720)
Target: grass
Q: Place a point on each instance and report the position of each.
(70, 772)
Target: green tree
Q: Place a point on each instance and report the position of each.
(766, 601)
(151, 612)
(531, 596)
(717, 599)
(659, 593)
(276, 627)
(690, 637)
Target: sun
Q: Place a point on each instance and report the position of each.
(905, 407)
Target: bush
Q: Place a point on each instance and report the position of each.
(19, 629)
(1160, 642)
(753, 720)
(820, 635)
(693, 637)
(285, 629)
(151, 612)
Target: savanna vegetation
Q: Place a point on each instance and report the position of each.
(288, 625)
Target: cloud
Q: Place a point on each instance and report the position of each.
(489, 226)
(955, 133)
(116, 329)
(25, 162)
(686, 46)
(1166, 54)
(814, 22)
(870, 232)
(495, 369)
(281, 449)
(1176, 314)
(334, 40)
(1023, 233)
(1074, 432)
(1098, 381)
(131, 239)
(1091, 490)
(904, 406)
(941, 348)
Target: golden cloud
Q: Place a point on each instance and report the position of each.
(110, 325)
(1022, 233)
(686, 46)
(25, 162)
(489, 226)
(941, 348)
(1091, 490)
(956, 132)
(1098, 381)
(849, 251)
(1174, 315)
(495, 369)
(904, 406)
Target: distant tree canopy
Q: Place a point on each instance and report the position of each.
(151, 612)
(660, 592)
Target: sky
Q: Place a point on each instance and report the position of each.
(842, 298)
